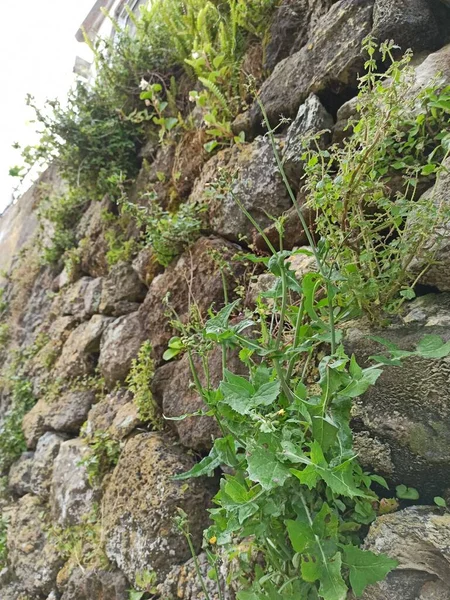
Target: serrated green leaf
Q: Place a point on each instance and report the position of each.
(332, 585)
(366, 567)
(264, 468)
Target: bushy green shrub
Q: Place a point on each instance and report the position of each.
(167, 233)
(371, 235)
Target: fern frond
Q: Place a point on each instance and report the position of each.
(213, 88)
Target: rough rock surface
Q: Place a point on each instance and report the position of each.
(410, 23)
(419, 538)
(290, 27)
(194, 278)
(115, 414)
(122, 291)
(47, 450)
(328, 64)
(311, 119)
(146, 266)
(82, 299)
(174, 390)
(80, 352)
(30, 552)
(93, 246)
(64, 414)
(119, 346)
(141, 501)
(90, 584)
(257, 185)
(19, 477)
(72, 497)
(407, 411)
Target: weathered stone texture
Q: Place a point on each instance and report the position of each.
(141, 502)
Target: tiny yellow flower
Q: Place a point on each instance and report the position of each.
(213, 540)
(281, 412)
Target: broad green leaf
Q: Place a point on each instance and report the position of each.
(341, 481)
(310, 568)
(293, 453)
(301, 535)
(266, 394)
(332, 586)
(171, 353)
(380, 480)
(357, 387)
(366, 567)
(406, 493)
(236, 491)
(266, 469)
(439, 501)
(241, 396)
(248, 596)
(326, 524)
(432, 346)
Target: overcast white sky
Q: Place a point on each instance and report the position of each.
(37, 54)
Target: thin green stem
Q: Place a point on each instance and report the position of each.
(197, 565)
(306, 229)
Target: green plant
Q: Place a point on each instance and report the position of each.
(167, 233)
(372, 236)
(3, 302)
(293, 487)
(146, 582)
(5, 334)
(12, 440)
(59, 214)
(139, 383)
(210, 40)
(119, 247)
(103, 455)
(3, 539)
(81, 545)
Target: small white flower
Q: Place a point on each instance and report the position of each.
(192, 98)
(195, 55)
(144, 84)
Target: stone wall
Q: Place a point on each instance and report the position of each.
(92, 322)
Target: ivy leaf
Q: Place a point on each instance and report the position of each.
(366, 567)
(265, 469)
